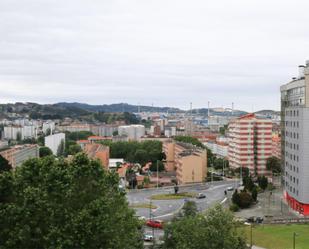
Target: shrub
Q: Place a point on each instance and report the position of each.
(234, 208)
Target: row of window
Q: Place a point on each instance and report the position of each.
(292, 189)
(290, 134)
(292, 145)
(295, 169)
(292, 124)
(291, 156)
(291, 113)
(292, 178)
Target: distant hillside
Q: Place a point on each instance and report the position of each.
(121, 107)
(58, 111)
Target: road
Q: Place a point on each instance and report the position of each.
(166, 209)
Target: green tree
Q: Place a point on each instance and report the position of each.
(245, 199)
(236, 198)
(4, 165)
(154, 166)
(61, 148)
(189, 209)
(254, 194)
(248, 183)
(74, 149)
(274, 164)
(51, 203)
(141, 156)
(78, 135)
(263, 182)
(45, 151)
(214, 230)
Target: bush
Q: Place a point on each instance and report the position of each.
(234, 208)
(245, 199)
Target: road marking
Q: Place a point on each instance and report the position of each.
(224, 200)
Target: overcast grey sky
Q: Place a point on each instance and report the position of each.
(165, 52)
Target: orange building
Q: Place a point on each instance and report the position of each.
(189, 162)
(98, 151)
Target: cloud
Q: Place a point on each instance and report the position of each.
(166, 52)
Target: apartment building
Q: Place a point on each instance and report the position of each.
(250, 143)
(20, 153)
(189, 162)
(53, 141)
(295, 140)
(133, 132)
(276, 146)
(14, 132)
(98, 151)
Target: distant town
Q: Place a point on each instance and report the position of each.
(253, 164)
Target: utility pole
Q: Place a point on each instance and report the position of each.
(157, 173)
(294, 239)
(251, 233)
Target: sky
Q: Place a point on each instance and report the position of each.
(160, 52)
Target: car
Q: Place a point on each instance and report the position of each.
(155, 224)
(148, 237)
(251, 219)
(230, 188)
(200, 196)
(259, 220)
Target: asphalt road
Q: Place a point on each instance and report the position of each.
(166, 209)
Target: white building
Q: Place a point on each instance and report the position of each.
(114, 162)
(49, 125)
(12, 132)
(218, 148)
(133, 132)
(53, 141)
(295, 140)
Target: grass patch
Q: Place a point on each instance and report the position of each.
(279, 236)
(173, 196)
(143, 205)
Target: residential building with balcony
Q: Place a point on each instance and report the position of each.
(250, 143)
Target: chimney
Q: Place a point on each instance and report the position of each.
(301, 70)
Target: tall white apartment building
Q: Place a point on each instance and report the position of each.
(53, 141)
(295, 140)
(133, 132)
(250, 143)
(12, 132)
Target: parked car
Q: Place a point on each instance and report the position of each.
(148, 237)
(155, 224)
(200, 196)
(230, 188)
(251, 219)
